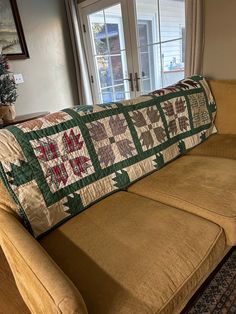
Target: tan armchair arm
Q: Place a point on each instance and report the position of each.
(42, 284)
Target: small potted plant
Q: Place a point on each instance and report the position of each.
(8, 92)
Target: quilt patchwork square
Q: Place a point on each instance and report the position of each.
(112, 139)
(149, 127)
(177, 116)
(63, 158)
(199, 109)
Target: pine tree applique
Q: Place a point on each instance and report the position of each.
(74, 204)
(122, 179)
(182, 147)
(20, 174)
(159, 161)
(212, 107)
(203, 136)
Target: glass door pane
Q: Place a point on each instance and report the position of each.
(149, 52)
(172, 28)
(172, 19)
(149, 56)
(173, 63)
(160, 29)
(108, 54)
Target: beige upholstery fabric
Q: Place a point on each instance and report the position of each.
(217, 145)
(6, 202)
(42, 284)
(224, 92)
(205, 186)
(129, 254)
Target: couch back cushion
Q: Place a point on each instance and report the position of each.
(224, 92)
(56, 166)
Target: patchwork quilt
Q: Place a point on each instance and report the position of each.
(55, 167)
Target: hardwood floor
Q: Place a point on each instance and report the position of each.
(10, 299)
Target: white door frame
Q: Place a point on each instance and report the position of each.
(130, 27)
(91, 6)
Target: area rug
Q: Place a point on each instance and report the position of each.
(219, 295)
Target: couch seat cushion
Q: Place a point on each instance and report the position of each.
(205, 186)
(129, 254)
(218, 145)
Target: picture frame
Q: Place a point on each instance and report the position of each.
(12, 39)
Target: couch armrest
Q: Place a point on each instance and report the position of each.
(42, 284)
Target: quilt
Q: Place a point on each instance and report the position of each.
(56, 166)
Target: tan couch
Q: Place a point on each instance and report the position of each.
(144, 250)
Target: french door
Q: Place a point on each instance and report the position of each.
(132, 46)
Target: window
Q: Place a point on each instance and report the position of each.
(166, 21)
(109, 53)
(146, 57)
(133, 47)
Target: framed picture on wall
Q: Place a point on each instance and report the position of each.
(12, 39)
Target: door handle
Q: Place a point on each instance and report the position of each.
(131, 83)
(136, 79)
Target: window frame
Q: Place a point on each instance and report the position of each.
(130, 21)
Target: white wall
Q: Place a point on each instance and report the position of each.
(49, 74)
